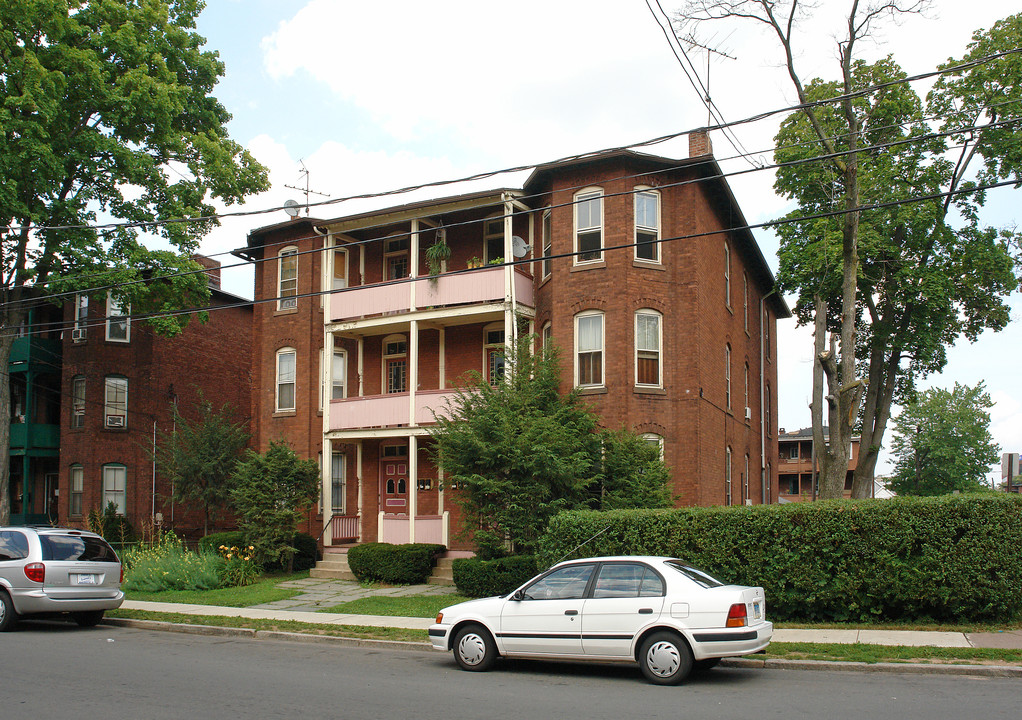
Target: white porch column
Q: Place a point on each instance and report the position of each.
(361, 368)
(359, 479)
(327, 487)
(413, 261)
(413, 369)
(413, 485)
(510, 326)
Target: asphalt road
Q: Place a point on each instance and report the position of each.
(56, 670)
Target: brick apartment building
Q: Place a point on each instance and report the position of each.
(120, 382)
(664, 315)
(798, 469)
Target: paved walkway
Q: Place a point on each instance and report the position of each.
(318, 594)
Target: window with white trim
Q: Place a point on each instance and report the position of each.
(647, 225)
(118, 322)
(287, 359)
(78, 401)
(395, 363)
(115, 401)
(495, 352)
(77, 489)
(338, 470)
(745, 299)
(727, 274)
(589, 349)
(747, 406)
(745, 481)
(547, 334)
(79, 332)
(727, 376)
(395, 258)
(339, 272)
(656, 441)
(338, 379)
(548, 243)
(115, 482)
(588, 226)
(727, 475)
(287, 279)
(647, 348)
(493, 239)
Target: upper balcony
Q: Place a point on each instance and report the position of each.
(393, 410)
(479, 287)
(31, 438)
(35, 353)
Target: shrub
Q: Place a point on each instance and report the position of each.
(484, 578)
(306, 554)
(212, 542)
(944, 558)
(166, 565)
(239, 566)
(398, 564)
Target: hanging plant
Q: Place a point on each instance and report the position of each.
(437, 254)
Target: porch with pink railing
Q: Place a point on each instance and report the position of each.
(387, 410)
(484, 285)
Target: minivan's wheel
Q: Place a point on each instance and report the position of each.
(8, 616)
(88, 618)
(665, 659)
(474, 648)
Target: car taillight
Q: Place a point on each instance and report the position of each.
(737, 616)
(122, 574)
(36, 572)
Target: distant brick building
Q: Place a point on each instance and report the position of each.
(628, 262)
(120, 383)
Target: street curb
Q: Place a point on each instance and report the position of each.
(1012, 671)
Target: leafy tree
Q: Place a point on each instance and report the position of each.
(107, 113)
(200, 458)
(893, 285)
(943, 442)
(270, 492)
(522, 452)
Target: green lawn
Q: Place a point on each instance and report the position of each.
(860, 652)
(264, 591)
(421, 606)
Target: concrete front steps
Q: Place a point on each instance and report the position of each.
(334, 566)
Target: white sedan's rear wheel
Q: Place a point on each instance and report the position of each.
(474, 648)
(665, 659)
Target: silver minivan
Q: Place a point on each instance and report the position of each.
(46, 570)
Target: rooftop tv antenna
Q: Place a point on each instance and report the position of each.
(305, 171)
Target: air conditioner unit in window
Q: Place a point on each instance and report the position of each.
(748, 413)
(288, 303)
(113, 421)
(78, 335)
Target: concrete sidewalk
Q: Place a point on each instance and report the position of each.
(904, 638)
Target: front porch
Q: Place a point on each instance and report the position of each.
(396, 529)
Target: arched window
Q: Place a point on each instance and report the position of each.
(287, 279)
(395, 363)
(588, 225)
(287, 359)
(656, 441)
(647, 225)
(115, 402)
(589, 349)
(727, 376)
(648, 341)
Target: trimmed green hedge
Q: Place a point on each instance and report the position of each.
(485, 578)
(954, 557)
(398, 564)
(232, 538)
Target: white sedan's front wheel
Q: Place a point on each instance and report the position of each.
(474, 648)
(665, 659)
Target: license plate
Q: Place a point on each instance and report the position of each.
(86, 579)
(757, 610)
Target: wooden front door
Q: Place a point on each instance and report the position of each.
(394, 479)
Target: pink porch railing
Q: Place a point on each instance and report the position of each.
(386, 410)
(343, 527)
(479, 286)
(428, 529)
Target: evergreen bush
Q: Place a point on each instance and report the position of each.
(476, 577)
(407, 564)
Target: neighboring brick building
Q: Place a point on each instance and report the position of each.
(120, 383)
(798, 468)
(665, 318)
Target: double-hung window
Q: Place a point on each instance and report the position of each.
(647, 225)
(77, 488)
(647, 348)
(79, 332)
(727, 376)
(286, 375)
(395, 363)
(589, 350)
(727, 274)
(548, 243)
(496, 352)
(493, 240)
(115, 401)
(78, 401)
(115, 480)
(287, 274)
(589, 226)
(118, 322)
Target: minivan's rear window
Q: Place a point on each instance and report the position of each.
(76, 547)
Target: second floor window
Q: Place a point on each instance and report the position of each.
(115, 402)
(589, 352)
(495, 354)
(81, 317)
(589, 226)
(287, 292)
(118, 323)
(286, 374)
(396, 258)
(78, 402)
(395, 363)
(647, 348)
(493, 240)
(548, 243)
(727, 274)
(647, 226)
(340, 372)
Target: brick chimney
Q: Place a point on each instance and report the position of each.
(212, 270)
(699, 143)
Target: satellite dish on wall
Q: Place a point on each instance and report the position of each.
(518, 247)
(292, 208)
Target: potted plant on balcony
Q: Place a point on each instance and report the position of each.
(436, 255)
(474, 262)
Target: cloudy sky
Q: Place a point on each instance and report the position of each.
(371, 97)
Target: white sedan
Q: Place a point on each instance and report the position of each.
(659, 612)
